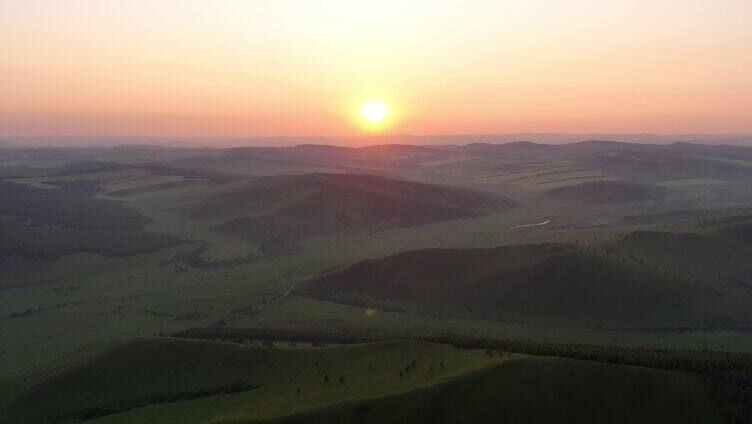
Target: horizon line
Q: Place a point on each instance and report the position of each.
(367, 136)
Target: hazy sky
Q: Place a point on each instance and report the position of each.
(257, 68)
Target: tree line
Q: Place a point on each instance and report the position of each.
(728, 373)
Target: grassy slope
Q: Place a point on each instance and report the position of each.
(290, 207)
(142, 370)
(539, 390)
(545, 282)
(471, 387)
(714, 263)
(646, 279)
(317, 315)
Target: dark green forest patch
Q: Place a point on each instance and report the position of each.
(71, 205)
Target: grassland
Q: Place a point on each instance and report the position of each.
(743, 162)
(546, 176)
(692, 182)
(538, 390)
(646, 280)
(140, 283)
(306, 314)
(598, 192)
(194, 381)
(55, 305)
(270, 378)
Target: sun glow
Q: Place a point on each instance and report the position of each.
(374, 111)
(375, 114)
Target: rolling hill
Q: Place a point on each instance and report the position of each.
(195, 381)
(274, 211)
(186, 381)
(537, 390)
(71, 205)
(646, 279)
(44, 224)
(549, 282)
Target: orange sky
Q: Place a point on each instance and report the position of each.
(262, 68)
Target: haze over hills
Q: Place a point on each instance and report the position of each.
(362, 212)
(438, 139)
(622, 246)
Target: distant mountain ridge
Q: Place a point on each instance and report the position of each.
(438, 139)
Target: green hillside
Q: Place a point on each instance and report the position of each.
(278, 210)
(538, 390)
(195, 381)
(646, 279)
(544, 282)
(183, 381)
(741, 231)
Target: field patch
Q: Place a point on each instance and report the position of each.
(103, 177)
(140, 181)
(548, 176)
(692, 182)
(607, 192)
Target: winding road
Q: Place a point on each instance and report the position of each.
(548, 221)
(243, 312)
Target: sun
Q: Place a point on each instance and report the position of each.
(374, 111)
